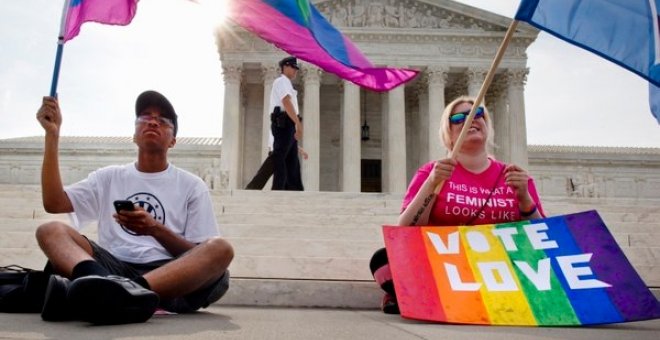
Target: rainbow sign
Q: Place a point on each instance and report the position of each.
(560, 271)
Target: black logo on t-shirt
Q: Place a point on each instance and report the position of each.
(150, 204)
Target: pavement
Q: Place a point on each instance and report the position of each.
(237, 322)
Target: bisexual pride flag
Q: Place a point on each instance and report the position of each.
(560, 271)
(298, 28)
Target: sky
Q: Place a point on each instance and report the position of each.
(572, 97)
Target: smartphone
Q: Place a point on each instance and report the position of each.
(123, 205)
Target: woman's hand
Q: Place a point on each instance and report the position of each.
(517, 178)
(442, 170)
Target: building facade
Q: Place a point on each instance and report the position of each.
(560, 172)
(451, 44)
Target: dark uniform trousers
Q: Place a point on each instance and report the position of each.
(286, 165)
(259, 180)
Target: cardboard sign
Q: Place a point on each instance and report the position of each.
(563, 270)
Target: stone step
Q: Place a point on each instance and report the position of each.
(311, 232)
(27, 257)
(31, 208)
(304, 268)
(275, 231)
(306, 219)
(304, 195)
(303, 293)
(306, 208)
(295, 245)
(305, 259)
(319, 201)
(22, 211)
(23, 224)
(243, 224)
(27, 203)
(633, 227)
(301, 248)
(309, 249)
(646, 206)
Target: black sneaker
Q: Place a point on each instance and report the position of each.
(56, 307)
(111, 300)
(389, 304)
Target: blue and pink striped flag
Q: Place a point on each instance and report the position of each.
(298, 28)
(624, 32)
(110, 12)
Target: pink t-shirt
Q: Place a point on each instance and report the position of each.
(464, 193)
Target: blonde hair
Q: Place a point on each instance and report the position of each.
(445, 135)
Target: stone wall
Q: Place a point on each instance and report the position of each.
(591, 172)
(20, 158)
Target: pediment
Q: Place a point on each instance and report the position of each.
(409, 15)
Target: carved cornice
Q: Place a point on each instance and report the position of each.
(406, 14)
(244, 46)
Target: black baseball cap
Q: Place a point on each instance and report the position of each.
(289, 61)
(153, 98)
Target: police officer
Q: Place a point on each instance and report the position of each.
(286, 128)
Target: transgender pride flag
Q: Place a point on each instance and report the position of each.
(625, 32)
(560, 271)
(298, 28)
(110, 12)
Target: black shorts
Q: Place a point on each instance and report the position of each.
(200, 298)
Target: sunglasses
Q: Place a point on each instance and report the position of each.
(144, 119)
(459, 117)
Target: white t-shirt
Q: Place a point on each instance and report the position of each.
(281, 87)
(174, 197)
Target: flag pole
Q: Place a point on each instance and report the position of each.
(482, 93)
(484, 87)
(468, 120)
(60, 51)
(466, 125)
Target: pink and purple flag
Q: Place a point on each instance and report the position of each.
(624, 32)
(109, 12)
(559, 271)
(297, 27)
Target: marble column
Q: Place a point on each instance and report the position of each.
(311, 168)
(437, 78)
(268, 75)
(394, 141)
(518, 128)
(421, 148)
(350, 176)
(230, 160)
(475, 79)
(499, 113)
